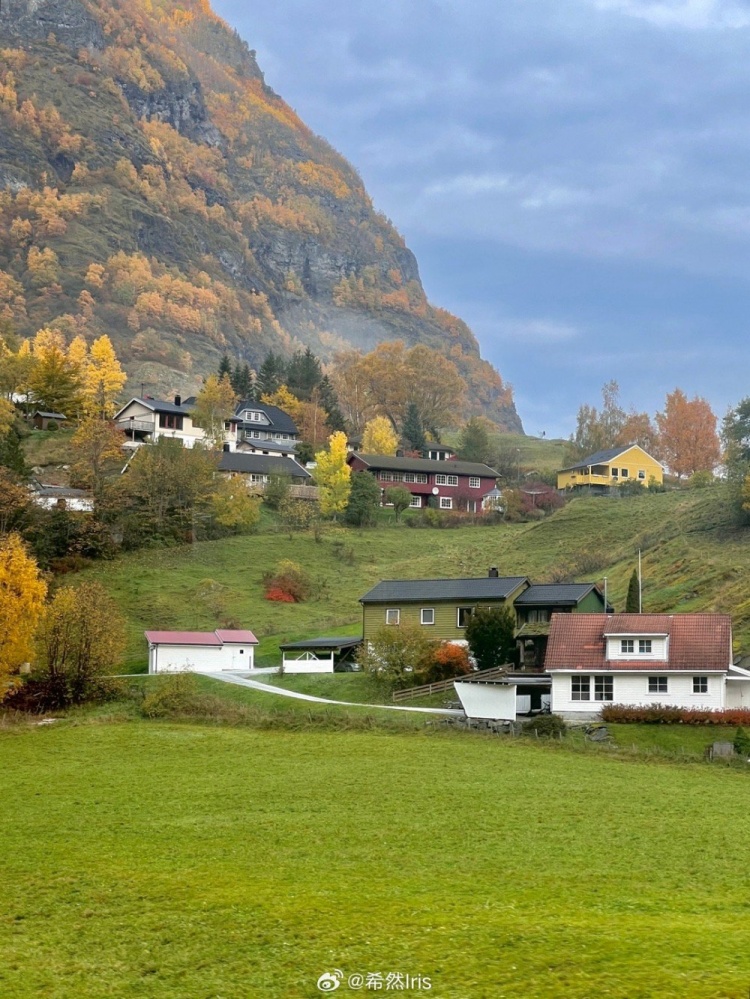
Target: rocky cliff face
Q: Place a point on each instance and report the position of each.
(152, 185)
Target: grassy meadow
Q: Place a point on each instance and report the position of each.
(181, 860)
(693, 559)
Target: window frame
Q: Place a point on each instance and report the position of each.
(475, 482)
(583, 683)
(627, 651)
(604, 687)
(442, 479)
(446, 502)
(645, 647)
(397, 612)
(658, 685)
(426, 610)
(700, 682)
(466, 612)
(416, 502)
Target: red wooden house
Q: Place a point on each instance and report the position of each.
(450, 485)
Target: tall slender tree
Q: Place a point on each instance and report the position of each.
(633, 602)
(412, 429)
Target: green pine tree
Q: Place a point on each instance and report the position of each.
(412, 429)
(11, 453)
(303, 374)
(225, 367)
(330, 403)
(242, 382)
(632, 602)
(271, 374)
(474, 441)
(364, 501)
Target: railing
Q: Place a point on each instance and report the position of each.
(442, 685)
(303, 492)
(145, 426)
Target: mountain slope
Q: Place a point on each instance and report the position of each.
(152, 186)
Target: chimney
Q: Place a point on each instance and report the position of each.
(493, 573)
(178, 400)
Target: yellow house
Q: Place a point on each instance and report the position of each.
(601, 471)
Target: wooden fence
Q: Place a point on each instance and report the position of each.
(442, 685)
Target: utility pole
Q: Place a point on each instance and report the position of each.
(640, 584)
(605, 594)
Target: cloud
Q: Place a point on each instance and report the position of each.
(691, 14)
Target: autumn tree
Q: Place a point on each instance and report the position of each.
(435, 387)
(15, 501)
(351, 385)
(379, 437)
(333, 476)
(688, 440)
(80, 641)
(233, 507)
(214, 405)
(399, 498)
(639, 429)
(97, 444)
(312, 421)
(23, 591)
(284, 400)
(55, 380)
(103, 378)
(598, 429)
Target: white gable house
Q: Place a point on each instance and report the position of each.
(220, 651)
(145, 420)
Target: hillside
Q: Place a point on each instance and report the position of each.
(153, 187)
(693, 559)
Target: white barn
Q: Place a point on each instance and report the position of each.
(220, 651)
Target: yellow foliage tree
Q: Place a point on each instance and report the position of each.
(96, 445)
(233, 506)
(286, 401)
(333, 476)
(379, 437)
(103, 378)
(22, 592)
(213, 407)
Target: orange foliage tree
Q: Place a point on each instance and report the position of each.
(688, 440)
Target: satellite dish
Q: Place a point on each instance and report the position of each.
(435, 490)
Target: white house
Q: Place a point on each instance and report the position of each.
(146, 420)
(265, 429)
(682, 660)
(61, 497)
(320, 655)
(201, 651)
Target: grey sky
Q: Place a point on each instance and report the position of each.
(573, 177)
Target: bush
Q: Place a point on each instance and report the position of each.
(289, 579)
(545, 726)
(448, 660)
(742, 743)
(398, 656)
(667, 714)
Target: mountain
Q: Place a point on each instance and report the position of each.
(154, 187)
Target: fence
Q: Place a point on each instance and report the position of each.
(442, 685)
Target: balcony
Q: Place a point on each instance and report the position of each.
(134, 426)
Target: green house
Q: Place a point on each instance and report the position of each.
(441, 606)
(534, 610)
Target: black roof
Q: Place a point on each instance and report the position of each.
(395, 464)
(543, 594)
(347, 642)
(602, 457)
(422, 590)
(50, 416)
(261, 464)
(277, 418)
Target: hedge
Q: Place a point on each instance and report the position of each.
(668, 714)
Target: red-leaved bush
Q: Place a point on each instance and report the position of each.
(667, 714)
(448, 660)
(279, 595)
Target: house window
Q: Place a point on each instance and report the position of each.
(409, 477)
(580, 688)
(446, 480)
(644, 646)
(385, 477)
(658, 685)
(392, 615)
(626, 646)
(624, 473)
(446, 503)
(641, 473)
(700, 684)
(170, 421)
(603, 688)
(428, 615)
(227, 425)
(420, 477)
(463, 615)
(416, 501)
(475, 482)
(614, 473)
(242, 652)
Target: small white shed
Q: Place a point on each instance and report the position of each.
(503, 696)
(320, 655)
(217, 651)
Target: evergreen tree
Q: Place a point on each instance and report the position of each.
(225, 367)
(474, 441)
(303, 374)
(330, 403)
(11, 453)
(271, 374)
(412, 429)
(632, 603)
(489, 633)
(242, 382)
(364, 500)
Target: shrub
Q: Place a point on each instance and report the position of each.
(448, 660)
(667, 714)
(742, 742)
(278, 595)
(545, 726)
(397, 656)
(290, 579)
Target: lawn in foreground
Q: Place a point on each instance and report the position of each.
(152, 859)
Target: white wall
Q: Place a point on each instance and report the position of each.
(305, 665)
(632, 688)
(200, 658)
(738, 694)
(488, 700)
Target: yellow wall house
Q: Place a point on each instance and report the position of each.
(605, 469)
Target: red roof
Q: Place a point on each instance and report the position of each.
(215, 638)
(696, 641)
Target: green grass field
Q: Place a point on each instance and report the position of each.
(179, 860)
(693, 559)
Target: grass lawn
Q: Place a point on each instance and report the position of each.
(180, 860)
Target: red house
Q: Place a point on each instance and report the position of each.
(452, 485)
